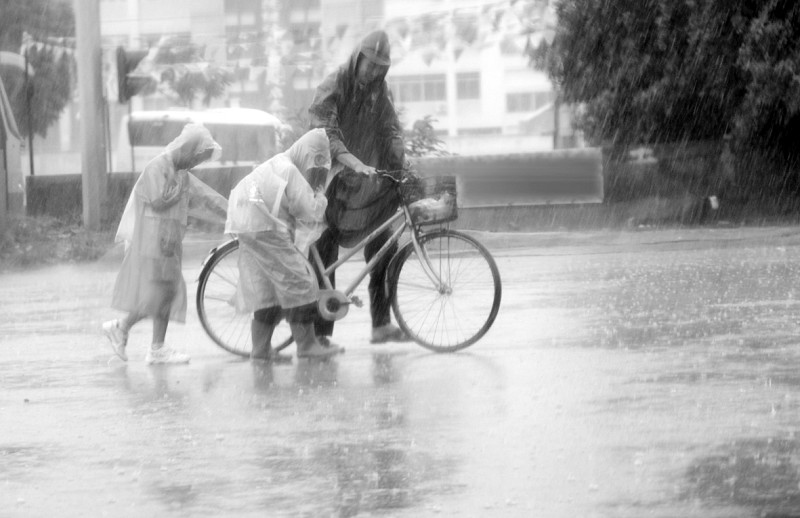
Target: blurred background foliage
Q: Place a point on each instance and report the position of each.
(654, 71)
(644, 71)
(52, 85)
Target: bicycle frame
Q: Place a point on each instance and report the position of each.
(403, 215)
(413, 297)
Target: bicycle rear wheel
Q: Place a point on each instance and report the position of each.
(216, 308)
(458, 313)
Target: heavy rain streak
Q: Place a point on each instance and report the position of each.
(407, 258)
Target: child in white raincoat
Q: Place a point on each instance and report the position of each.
(271, 211)
(150, 282)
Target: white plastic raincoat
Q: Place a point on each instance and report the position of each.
(154, 222)
(268, 210)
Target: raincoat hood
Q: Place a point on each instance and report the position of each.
(276, 196)
(193, 141)
(310, 151)
(375, 47)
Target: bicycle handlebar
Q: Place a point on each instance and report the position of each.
(391, 175)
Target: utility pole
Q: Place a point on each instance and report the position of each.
(27, 87)
(451, 86)
(557, 119)
(3, 186)
(90, 86)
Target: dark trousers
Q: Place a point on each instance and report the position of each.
(272, 316)
(379, 303)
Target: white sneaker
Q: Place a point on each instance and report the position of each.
(117, 337)
(165, 354)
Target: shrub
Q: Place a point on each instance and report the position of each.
(29, 242)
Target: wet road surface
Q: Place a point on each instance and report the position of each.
(651, 373)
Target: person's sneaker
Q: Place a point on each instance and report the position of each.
(117, 337)
(165, 354)
(388, 333)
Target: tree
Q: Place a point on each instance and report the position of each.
(184, 74)
(769, 116)
(49, 57)
(421, 140)
(650, 71)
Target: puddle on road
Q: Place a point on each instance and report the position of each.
(758, 473)
(625, 386)
(227, 438)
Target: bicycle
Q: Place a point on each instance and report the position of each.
(444, 285)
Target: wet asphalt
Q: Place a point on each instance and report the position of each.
(628, 374)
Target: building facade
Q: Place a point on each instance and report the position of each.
(460, 63)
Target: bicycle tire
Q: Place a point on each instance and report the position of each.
(426, 313)
(215, 301)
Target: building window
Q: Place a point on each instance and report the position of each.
(241, 5)
(542, 98)
(519, 102)
(527, 101)
(468, 85)
(420, 88)
(303, 33)
(240, 19)
(301, 5)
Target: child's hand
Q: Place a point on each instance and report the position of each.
(174, 186)
(171, 190)
(176, 183)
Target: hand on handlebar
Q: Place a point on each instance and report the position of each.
(365, 169)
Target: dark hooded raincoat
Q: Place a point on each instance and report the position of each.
(361, 120)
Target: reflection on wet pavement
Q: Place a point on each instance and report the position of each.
(750, 472)
(657, 383)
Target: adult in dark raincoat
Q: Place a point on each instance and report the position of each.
(355, 108)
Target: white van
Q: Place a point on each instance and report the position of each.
(247, 136)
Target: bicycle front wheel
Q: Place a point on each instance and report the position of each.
(461, 310)
(216, 295)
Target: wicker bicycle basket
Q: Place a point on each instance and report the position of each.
(439, 201)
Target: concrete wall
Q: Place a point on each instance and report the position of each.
(557, 190)
(568, 176)
(59, 196)
(486, 183)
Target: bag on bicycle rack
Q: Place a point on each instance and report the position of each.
(358, 204)
(439, 202)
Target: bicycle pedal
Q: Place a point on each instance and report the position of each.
(356, 302)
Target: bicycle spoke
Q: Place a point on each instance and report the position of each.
(421, 286)
(458, 316)
(219, 298)
(216, 302)
(426, 312)
(229, 278)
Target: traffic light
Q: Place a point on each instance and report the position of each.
(129, 83)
